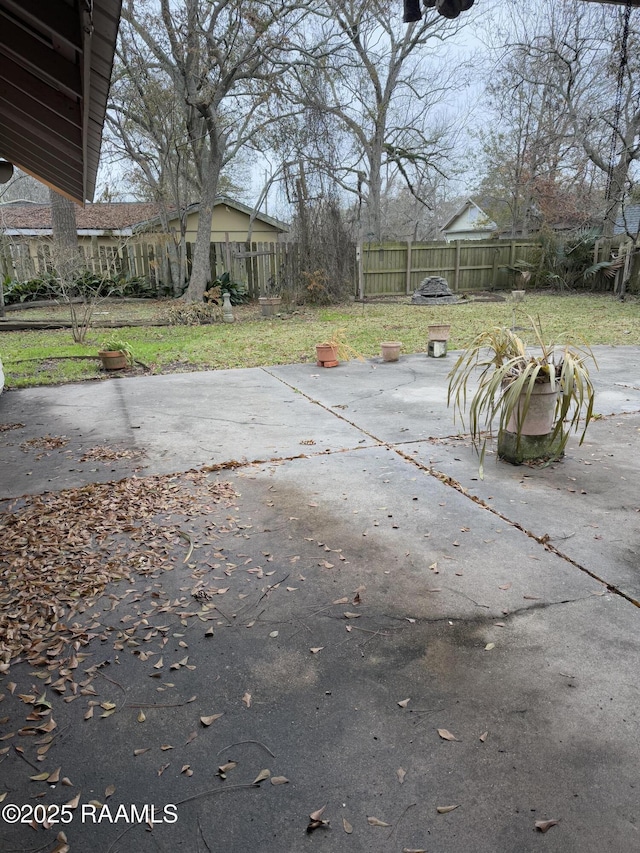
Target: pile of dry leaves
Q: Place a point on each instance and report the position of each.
(59, 551)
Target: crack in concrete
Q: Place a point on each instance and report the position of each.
(492, 619)
(446, 480)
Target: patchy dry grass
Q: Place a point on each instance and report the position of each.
(41, 357)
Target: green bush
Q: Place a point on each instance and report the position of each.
(30, 291)
(89, 286)
(237, 293)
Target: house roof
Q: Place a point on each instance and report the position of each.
(102, 216)
(469, 203)
(227, 202)
(28, 219)
(55, 67)
(628, 221)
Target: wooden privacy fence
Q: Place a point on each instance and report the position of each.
(262, 267)
(392, 269)
(382, 269)
(628, 276)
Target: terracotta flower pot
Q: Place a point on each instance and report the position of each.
(114, 359)
(390, 350)
(326, 355)
(439, 331)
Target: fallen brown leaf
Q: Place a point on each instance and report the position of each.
(404, 703)
(207, 721)
(544, 825)
(225, 768)
(279, 780)
(317, 814)
(347, 826)
(262, 775)
(374, 821)
(445, 734)
(446, 809)
(401, 774)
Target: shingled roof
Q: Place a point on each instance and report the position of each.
(27, 219)
(112, 216)
(628, 221)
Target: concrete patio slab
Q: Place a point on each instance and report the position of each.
(164, 423)
(390, 634)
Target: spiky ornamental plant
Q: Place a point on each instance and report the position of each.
(506, 379)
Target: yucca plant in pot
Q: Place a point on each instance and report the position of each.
(537, 398)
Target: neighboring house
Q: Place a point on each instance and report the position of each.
(106, 229)
(469, 223)
(231, 223)
(628, 221)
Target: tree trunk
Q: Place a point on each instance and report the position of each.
(201, 268)
(375, 191)
(615, 195)
(63, 221)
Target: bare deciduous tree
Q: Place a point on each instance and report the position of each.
(220, 59)
(574, 52)
(372, 77)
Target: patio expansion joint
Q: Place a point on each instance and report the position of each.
(543, 540)
(446, 480)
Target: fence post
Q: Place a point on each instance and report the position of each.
(456, 271)
(227, 252)
(359, 264)
(408, 284)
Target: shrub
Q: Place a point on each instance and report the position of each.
(223, 284)
(31, 290)
(89, 285)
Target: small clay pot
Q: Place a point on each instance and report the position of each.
(390, 350)
(114, 359)
(326, 355)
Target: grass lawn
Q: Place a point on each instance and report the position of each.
(38, 357)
